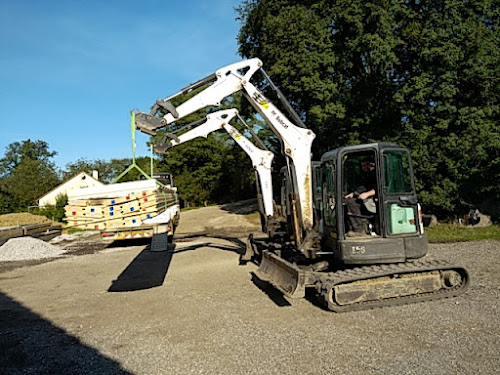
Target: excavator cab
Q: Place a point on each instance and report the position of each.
(392, 226)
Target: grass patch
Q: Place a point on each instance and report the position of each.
(73, 230)
(196, 207)
(455, 233)
(189, 208)
(253, 218)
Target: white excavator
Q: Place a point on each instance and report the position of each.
(313, 249)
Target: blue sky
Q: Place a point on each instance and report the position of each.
(71, 71)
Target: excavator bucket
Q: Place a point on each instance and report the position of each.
(285, 276)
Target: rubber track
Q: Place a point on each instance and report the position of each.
(329, 280)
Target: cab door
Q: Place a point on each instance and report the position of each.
(399, 195)
(329, 200)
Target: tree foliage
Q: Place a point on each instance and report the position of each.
(424, 74)
(108, 169)
(26, 173)
(215, 169)
(56, 212)
(210, 170)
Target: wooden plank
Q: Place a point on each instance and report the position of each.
(116, 212)
(88, 225)
(48, 235)
(101, 223)
(157, 194)
(122, 199)
(31, 229)
(94, 226)
(168, 200)
(141, 197)
(77, 202)
(127, 210)
(35, 226)
(9, 232)
(114, 190)
(129, 221)
(90, 211)
(37, 230)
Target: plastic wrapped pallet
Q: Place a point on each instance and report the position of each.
(121, 205)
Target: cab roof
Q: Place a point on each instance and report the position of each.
(331, 155)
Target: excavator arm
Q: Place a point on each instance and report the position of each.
(225, 82)
(261, 159)
(296, 140)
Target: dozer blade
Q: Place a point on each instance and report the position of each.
(285, 276)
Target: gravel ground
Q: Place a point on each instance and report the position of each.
(74, 236)
(195, 310)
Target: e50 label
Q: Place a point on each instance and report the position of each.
(358, 249)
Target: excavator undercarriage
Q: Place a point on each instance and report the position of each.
(363, 287)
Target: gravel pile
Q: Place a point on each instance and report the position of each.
(28, 248)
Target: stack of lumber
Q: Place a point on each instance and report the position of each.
(118, 205)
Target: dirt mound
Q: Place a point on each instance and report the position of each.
(22, 218)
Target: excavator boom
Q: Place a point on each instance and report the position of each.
(296, 140)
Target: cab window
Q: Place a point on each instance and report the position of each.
(397, 173)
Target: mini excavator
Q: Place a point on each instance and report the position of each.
(308, 244)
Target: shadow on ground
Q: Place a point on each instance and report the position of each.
(237, 246)
(32, 345)
(274, 295)
(149, 269)
(241, 207)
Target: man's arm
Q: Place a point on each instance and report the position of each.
(367, 194)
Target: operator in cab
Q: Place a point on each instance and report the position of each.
(358, 202)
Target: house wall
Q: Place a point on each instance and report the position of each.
(80, 181)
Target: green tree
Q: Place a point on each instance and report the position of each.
(26, 173)
(209, 170)
(108, 169)
(57, 212)
(424, 74)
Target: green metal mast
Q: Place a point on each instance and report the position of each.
(134, 164)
